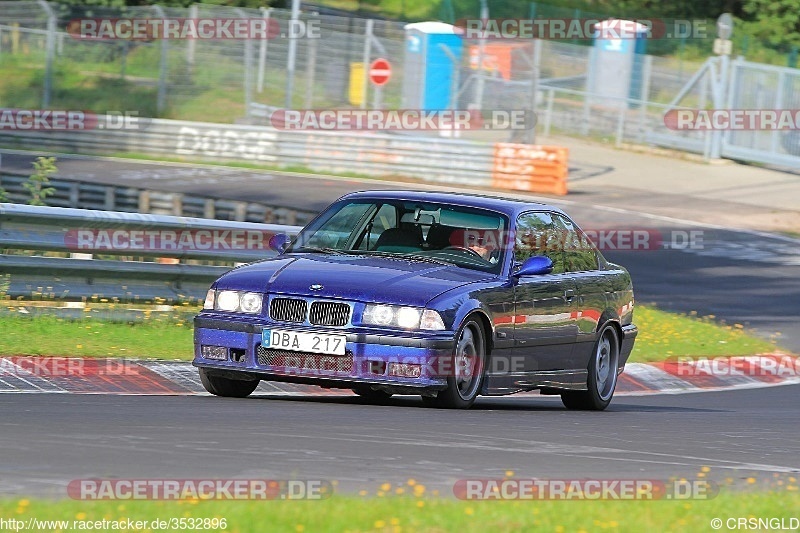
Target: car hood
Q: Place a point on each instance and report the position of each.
(361, 278)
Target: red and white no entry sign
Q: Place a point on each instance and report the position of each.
(380, 71)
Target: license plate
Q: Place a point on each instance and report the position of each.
(297, 341)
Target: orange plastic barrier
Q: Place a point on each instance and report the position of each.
(526, 167)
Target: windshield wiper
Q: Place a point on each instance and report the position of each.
(319, 250)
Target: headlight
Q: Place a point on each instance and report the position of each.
(408, 317)
(228, 301)
(233, 301)
(250, 302)
(402, 317)
(210, 296)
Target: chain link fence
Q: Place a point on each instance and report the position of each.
(44, 65)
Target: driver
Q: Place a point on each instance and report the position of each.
(476, 241)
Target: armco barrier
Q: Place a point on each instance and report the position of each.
(431, 159)
(86, 195)
(33, 233)
(525, 167)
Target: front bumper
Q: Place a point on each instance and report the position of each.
(372, 352)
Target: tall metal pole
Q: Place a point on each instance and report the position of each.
(481, 53)
(290, 61)
(161, 98)
(365, 61)
(51, 36)
(262, 53)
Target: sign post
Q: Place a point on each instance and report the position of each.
(380, 71)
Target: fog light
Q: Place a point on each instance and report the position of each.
(219, 353)
(405, 370)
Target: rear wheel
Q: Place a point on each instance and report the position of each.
(469, 360)
(602, 379)
(229, 388)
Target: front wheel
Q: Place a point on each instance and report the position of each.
(229, 388)
(464, 383)
(602, 379)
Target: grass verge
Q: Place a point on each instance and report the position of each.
(662, 335)
(405, 513)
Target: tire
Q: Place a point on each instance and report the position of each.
(372, 395)
(602, 380)
(228, 388)
(469, 362)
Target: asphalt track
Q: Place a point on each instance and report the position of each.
(49, 439)
(742, 277)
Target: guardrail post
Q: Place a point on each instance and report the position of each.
(144, 201)
(110, 199)
(74, 194)
(177, 204)
(209, 209)
(240, 211)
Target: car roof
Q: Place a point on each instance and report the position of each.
(509, 206)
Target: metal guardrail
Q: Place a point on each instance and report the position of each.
(436, 160)
(120, 273)
(85, 195)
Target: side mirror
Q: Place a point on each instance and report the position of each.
(535, 266)
(279, 242)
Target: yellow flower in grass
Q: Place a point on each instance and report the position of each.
(386, 487)
(379, 524)
(80, 516)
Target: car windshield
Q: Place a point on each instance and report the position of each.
(418, 231)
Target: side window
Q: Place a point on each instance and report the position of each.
(536, 236)
(385, 218)
(579, 252)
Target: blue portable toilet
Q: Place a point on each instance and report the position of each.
(429, 68)
(616, 71)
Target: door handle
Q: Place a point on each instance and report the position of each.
(569, 294)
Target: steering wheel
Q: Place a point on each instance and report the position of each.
(463, 249)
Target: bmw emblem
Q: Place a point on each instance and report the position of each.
(316, 287)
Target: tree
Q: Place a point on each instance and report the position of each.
(776, 21)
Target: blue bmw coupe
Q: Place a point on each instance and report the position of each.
(447, 296)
